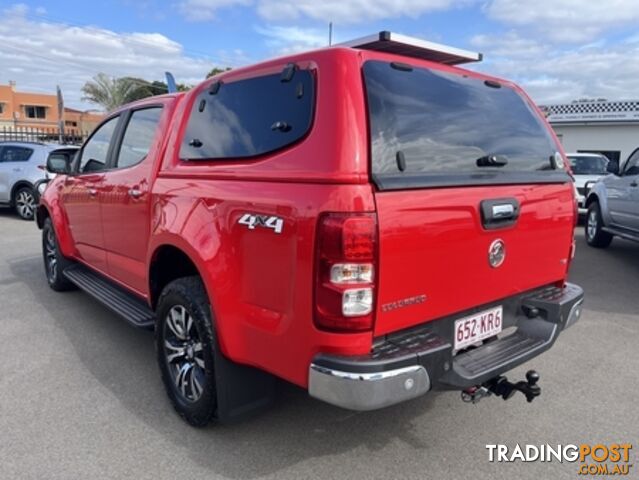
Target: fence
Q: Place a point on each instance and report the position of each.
(42, 135)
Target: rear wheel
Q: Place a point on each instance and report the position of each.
(595, 235)
(54, 261)
(24, 201)
(185, 346)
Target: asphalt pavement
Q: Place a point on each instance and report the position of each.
(81, 396)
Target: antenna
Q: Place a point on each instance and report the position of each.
(170, 82)
(330, 33)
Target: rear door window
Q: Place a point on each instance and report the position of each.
(429, 127)
(248, 118)
(11, 153)
(138, 136)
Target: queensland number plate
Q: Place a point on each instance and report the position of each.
(477, 327)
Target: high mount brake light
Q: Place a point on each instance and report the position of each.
(345, 271)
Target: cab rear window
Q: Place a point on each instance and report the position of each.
(429, 127)
(248, 118)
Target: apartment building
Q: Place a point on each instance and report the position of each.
(26, 110)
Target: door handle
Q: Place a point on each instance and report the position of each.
(634, 183)
(17, 169)
(499, 212)
(92, 192)
(135, 193)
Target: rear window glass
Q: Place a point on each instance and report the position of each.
(446, 123)
(251, 117)
(588, 165)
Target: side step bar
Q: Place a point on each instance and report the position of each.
(627, 235)
(133, 309)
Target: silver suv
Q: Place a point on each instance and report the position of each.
(22, 167)
(613, 204)
(586, 168)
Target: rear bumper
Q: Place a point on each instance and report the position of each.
(410, 363)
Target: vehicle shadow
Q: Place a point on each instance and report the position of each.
(298, 428)
(8, 212)
(592, 273)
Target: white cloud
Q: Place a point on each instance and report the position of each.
(339, 11)
(509, 44)
(39, 54)
(566, 20)
(287, 40)
(556, 75)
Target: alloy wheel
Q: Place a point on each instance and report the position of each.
(592, 224)
(50, 256)
(25, 204)
(184, 354)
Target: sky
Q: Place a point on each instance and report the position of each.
(558, 50)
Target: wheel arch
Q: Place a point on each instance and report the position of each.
(41, 214)
(169, 262)
(593, 197)
(17, 186)
(60, 224)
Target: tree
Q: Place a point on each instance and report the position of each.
(215, 70)
(159, 88)
(111, 92)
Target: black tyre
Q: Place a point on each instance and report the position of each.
(185, 344)
(54, 261)
(595, 236)
(24, 201)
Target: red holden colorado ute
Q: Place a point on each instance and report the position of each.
(367, 221)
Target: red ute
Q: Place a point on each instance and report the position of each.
(366, 221)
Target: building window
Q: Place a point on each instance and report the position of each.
(35, 111)
(1, 108)
(70, 123)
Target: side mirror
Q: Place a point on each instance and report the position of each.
(613, 167)
(59, 163)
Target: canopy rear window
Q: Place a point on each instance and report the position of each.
(432, 128)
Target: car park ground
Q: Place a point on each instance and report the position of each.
(81, 397)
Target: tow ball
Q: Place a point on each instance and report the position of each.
(501, 387)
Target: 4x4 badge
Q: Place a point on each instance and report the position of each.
(252, 220)
(496, 253)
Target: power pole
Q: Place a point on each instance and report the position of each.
(330, 33)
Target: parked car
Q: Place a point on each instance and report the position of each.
(22, 166)
(613, 205)
(365, 224)
(587, 168)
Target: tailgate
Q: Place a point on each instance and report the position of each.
(434, 249)
(461, 163)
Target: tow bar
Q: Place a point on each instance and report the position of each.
(501, 387)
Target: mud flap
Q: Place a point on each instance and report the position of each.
(242, 391)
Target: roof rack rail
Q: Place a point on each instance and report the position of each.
(398, 44)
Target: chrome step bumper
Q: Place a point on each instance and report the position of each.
(409, 364)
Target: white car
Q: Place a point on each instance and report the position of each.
(587, 169)
(22, 167)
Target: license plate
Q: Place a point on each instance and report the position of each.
(477, 327)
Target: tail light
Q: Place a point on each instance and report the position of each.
(345, 272)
